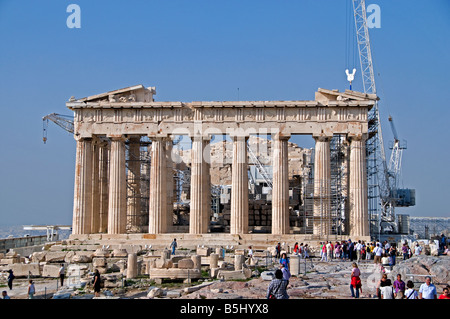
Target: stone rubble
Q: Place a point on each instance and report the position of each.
(203, 273)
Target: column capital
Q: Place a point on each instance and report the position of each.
(239, 137)
(204, 137)
(154, 136)
(117, 137)
(322, 137)
(357, 137)
(82, 138)
(281, 136)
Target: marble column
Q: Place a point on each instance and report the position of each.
(117, 210)
(239, 187)
(95, 221)
(170, 183)
(200, 207)
(134, 184)
(82, 204)
(280, 184)
(104, 186)
(322, 186)
(358, 202)
(158, 187)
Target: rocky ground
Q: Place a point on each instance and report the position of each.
(318, 280)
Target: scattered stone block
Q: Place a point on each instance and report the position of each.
(186, 263)
(120, 252)
(50, 270)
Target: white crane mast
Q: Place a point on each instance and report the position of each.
(378, 178)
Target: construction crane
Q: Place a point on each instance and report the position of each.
(396, 156)
(63, 121)
(262, 171)
(379, 182)
(402, 197)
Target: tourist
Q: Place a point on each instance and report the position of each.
(399, 286)
(369, 249)
(411, 293)
(442, 242)
(355, 283)
(323, 252)
(286, 273)
(405, 251)
(296, 249)
(363, 250)
(284, 260)
(5, 295)
(377, 252)
(379, 285)
(250, 252)
(277, 287)
(392, 255)
(278, 250)
(61, 274)
(445, 293)
(344, 250)
(329, 250)
(358, 248)
(305, 251)
(96, 283)
(173, 245)
(386, 290)
(417, 250)
(351, 248)
(31, 289)
(10, 279)
(427, 290)
(387, 247)
(337, 250)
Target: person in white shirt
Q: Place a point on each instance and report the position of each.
(427, 290)
(418, 249)
(387, 291)
(329, 251)
(410, 293)
(377, 254)
(358, 251)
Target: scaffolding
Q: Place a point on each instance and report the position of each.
(138, 190)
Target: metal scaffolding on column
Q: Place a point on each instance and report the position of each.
(339, 178)
(137, 219)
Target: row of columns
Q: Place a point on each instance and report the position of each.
(91, 190)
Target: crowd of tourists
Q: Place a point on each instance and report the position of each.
(384, 254)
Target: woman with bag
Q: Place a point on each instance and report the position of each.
(355, 283)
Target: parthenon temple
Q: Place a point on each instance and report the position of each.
(129, 166)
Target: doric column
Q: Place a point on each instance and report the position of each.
(134, 184)
(95, 221)
(170, 183)
(82, 203)
(117, 210)
(280, 184)
(359, 219)
(239, 187)
(200, 206)
(104, 187)
(322, 186)
(158, 187)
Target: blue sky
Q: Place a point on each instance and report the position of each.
(206, 50)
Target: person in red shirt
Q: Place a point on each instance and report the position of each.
(445, 294)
